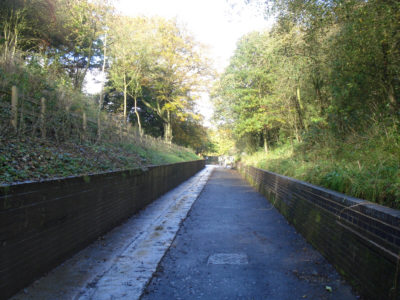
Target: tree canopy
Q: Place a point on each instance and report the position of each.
(153, 67)
(324, 65)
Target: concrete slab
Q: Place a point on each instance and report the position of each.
(228, 259)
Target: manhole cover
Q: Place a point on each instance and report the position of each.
(228, 259)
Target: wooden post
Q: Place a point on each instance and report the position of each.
(128, 130)
(99, 127)
(21, 112)
(42, 117)
(14, 107)
(84, 125)
(120, 130)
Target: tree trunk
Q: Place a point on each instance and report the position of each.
(15, 41)
(318, 83)
(295, 125)
(300, 108)
(265, 141)
(80, 76)
(138, 118)
(101, 99)
(125, 98)
(168, 129)
(297, 104)
(392, 100)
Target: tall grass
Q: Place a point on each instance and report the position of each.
(364, 165)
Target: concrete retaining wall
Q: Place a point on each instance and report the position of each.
(361, 239)
(43, 223)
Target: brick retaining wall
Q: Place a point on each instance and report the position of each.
(43, 223)
(361, 239)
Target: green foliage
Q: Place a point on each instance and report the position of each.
(222, 141)
(158, 68)
(151, 65)
(336, 62)
(365, 165)
(46, 49)
(243, 97)
(177, 73)
(190, 133)
(324, 85)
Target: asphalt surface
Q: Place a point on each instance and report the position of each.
(235, 245)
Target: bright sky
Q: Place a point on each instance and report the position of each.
(213, 22)
(216, 23)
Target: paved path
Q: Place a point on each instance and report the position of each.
(233, 245)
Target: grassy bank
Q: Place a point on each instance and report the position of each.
(53, 130)
(365, 165)
(25, 159)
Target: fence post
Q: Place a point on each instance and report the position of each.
(120, 131)
(99, 126)
(14, 107)
(84, 125)
(21, 101)
(42, 117)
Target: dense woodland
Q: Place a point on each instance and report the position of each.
(320, 94)
(316, 97)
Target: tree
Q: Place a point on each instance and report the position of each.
(81, 23)
(131, 55)
(365, 64)
(324, 64)
(223, 141)
(25, 27)
(353, 58)
(245, 90)
(191, 133)
(177, 74)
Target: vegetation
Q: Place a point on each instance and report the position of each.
(317, 97)
(364, 166)
(28, 158)
(151, 71)
(320, 93)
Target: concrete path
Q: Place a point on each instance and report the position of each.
(234, 245)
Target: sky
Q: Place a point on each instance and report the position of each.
(218, 24)
(215, 23)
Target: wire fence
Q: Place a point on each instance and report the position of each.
(56, 120)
